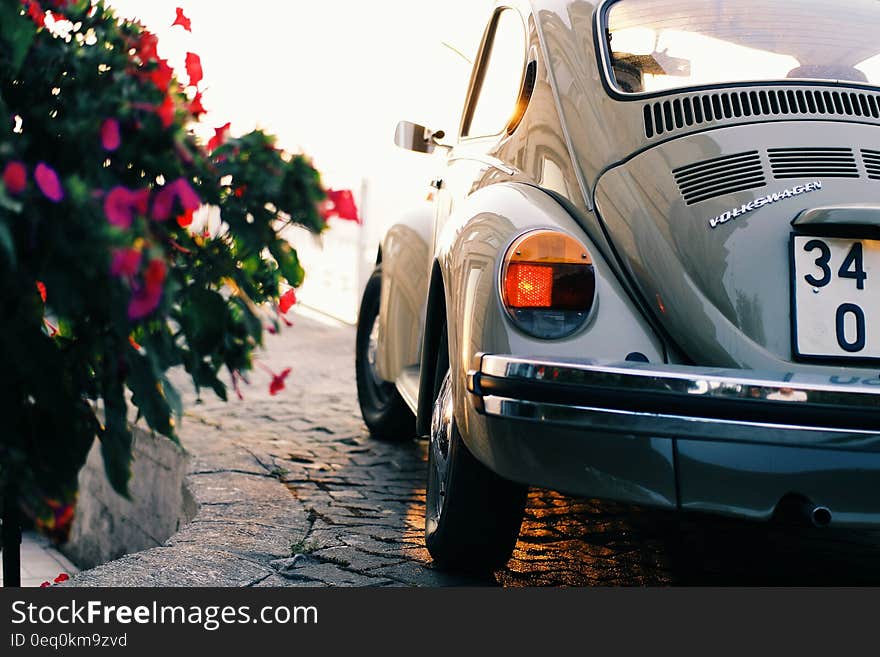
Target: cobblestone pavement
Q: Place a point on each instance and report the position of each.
(357, 505)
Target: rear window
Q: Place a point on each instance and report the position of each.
(658, 45)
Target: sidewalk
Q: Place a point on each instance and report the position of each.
(40, 562)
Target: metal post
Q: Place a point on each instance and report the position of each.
(10, 534)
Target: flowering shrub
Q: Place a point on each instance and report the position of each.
(109, 273)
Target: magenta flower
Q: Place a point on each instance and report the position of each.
(147, 296)
(15, 177)
(126, 262)
(49, 183)
(179, 190)
(110, 137)
(121, 204)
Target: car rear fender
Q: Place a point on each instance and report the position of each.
(470, 251)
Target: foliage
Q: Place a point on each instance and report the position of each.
(99, 213)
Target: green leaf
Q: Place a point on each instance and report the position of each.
(205, 320)
(7, 246)
(204, 376)
(17, 33)
(288, 262)
(148, 395)
(173, 398)
(116, 443)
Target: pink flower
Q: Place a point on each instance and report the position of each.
(121, 205)
(182, 20)
(15, 177)
(49, 183)
(187, 195)
(110, 138)
(146, 298)
(126, 262)
(179, 190)
(287, 301)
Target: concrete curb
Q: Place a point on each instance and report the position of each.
(245, 519)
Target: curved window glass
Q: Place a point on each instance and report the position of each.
(658, 45)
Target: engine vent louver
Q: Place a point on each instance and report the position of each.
(724, 175)
(671, 115)
(813, 162)
(872, 163)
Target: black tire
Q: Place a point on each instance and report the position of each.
(385, 413)
(472, 516)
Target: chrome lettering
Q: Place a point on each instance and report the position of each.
(770, 199)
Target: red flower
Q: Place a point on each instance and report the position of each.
(45, 585)
(185, 220)
(133, 344)
(49, 183)
(278, 380)
(63, 577)
(166, 112)
(121, 205)
(340, 204)
(15, 177)
(57, 524)
(288, 301)
(182, 20)
(126, 262)
(195, 106)
(179, 190)
(110, 138)
(194, 69)
(162, 76)
(147, 47)
(219, 138)
(146, 298)
(36, 13)
(41, 288)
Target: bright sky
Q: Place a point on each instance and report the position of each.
(330, 78)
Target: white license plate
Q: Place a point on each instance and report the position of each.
(836, 297)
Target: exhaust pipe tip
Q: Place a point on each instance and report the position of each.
(821, 516)
(797, 509)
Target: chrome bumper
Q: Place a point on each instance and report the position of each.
(690, 403)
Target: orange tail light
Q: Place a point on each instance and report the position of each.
(548, 283)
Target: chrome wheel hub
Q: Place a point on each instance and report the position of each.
(442, 426)
(372, 351)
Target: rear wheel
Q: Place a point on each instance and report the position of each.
(472, 516)
(385, 413)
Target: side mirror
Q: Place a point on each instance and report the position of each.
(414, 137)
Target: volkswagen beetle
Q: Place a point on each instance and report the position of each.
(651, 273)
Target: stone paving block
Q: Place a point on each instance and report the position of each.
(298, 472)
(181, 566)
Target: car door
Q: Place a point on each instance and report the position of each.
(490, 107)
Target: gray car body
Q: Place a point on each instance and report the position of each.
(599, 165)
